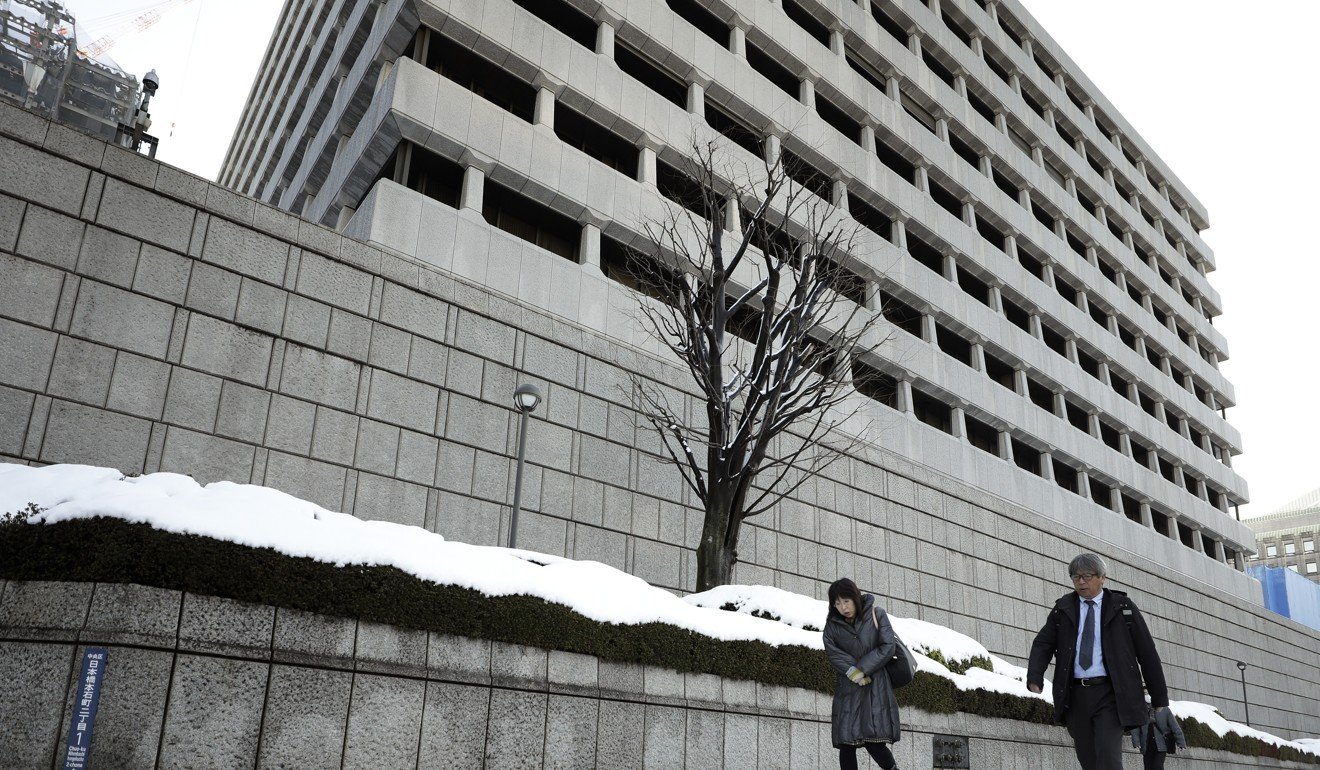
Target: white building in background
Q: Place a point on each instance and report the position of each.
(1288, 537)
(1045, 270)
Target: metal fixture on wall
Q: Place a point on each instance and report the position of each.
(525, 399)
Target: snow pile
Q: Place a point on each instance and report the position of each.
(261, 517)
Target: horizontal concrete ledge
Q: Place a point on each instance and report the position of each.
(195, 680)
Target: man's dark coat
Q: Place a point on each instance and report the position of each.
(1126, 644)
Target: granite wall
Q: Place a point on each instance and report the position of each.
(199, 682)
(153, 321)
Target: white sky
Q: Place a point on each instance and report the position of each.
(1219, 90)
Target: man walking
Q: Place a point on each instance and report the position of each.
(1097, 638)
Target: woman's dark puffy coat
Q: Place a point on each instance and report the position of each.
(862, 714)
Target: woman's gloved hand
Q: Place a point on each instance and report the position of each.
(858, 676)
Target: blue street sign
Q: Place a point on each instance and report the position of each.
(86, 699)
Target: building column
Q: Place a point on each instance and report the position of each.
(738, 42)
(899, 227)
(1020, 385)
(836, 42)
(996, 299)
(589, 246)
(474, 189)
(772, 147)
(696, 99)
(922, 181)
(891, 87)
(807, 92)
(605, 39)
(868, 139)
(903, 397)
(543, 114)
(839, 193)
(928, 328)
(646, 165)
(1047, 466)
(959, 425)
(1147, 517)
(1084, 486)
(978, 356)
(1006, 445)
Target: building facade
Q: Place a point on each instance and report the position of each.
(1287, 537)
(1044, 269)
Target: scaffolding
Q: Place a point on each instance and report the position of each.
(42, 70)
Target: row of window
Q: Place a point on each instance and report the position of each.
(1289, 548)
(586, 135)
(931, 410)
(978, 160)
(577, 130)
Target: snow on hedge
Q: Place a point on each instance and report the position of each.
(262, 517)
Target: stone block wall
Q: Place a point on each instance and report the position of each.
(153, 321)
(200, 682)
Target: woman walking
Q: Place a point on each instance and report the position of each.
(859, 642)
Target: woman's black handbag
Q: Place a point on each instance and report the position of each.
(902, 667)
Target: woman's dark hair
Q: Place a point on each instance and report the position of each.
(844, 588)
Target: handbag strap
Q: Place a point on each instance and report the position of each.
(873, 620)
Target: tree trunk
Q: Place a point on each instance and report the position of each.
(715, 552)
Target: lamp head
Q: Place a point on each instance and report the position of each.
(527, 397)
(1241, 666)
(150, 82)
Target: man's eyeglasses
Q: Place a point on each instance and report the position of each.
(1084, 577)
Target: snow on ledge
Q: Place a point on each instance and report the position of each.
(262, 517)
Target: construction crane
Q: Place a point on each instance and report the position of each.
(144, 20)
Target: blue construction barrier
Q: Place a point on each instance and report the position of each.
(1289, 594)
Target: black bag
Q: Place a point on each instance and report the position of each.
(902, 667)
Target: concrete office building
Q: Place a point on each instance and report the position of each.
(1287, 537)
(1053, 367)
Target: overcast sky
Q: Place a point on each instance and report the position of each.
(1223, 92)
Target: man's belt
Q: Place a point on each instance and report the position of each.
(1092, 681)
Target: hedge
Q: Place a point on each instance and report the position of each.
(110, 550)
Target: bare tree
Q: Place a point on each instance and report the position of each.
(756, 302)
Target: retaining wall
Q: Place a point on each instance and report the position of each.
(200, 682)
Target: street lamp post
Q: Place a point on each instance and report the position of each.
(1242, 668)
(525, 398)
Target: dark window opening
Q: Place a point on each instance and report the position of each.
(870, 217)
(434, 176)
(1026, 458)
(974, 286)
(1092, 158)
(842, 121)
(1053, 172)
(1003, 17)
(868, 73)
(771, 238)
(937, 67)
(1054, 340)
(924, 253)
(958, 30)
(490, 82)
(1088, 363)
(1089, 205)
(1108, 271)
(685, 191)
(1021, 142)
(953, 345)
(531, 221)
(1073, 97)
(1031, 262)
(810, 24)
(1101, 493)
(1161, 522)
(1125, 334)
(1195, 435)
(1216, 497)
(1000, 69)
(1040, 395)
(772, 70)
(990, 233)
(1110, 435)
(1185, 535)
(1173, 421)
(982, 107)
(1065, 132)
(918, 113)
(737, 132)
(1208, 545)
(1112, 223)
(745, 322)
(1065, 290)
(1044, 65)
(1006, 185)
(577, 130)
(1043, 216)
(1120, 384)
(564, 17)
(1000, 372)
(639, 272)
(932, 411)
(900, 314)
(875, 384)
(888, 24)
(1140, 453)
(1015, 314)
(946, 200)
(965, 151)
(1134, 291)
(650, 74)
(845, 281)
(1202, 395)
(1166, 468)
(1155, 356)
(1067, 476)
(1075, 243)
(981, 435)
(1033, 102)
(1146, 402)
(1131, 508)
(699, 16)
(807, 175)
(1098, 315)
(895, 161)
(1077, 416)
